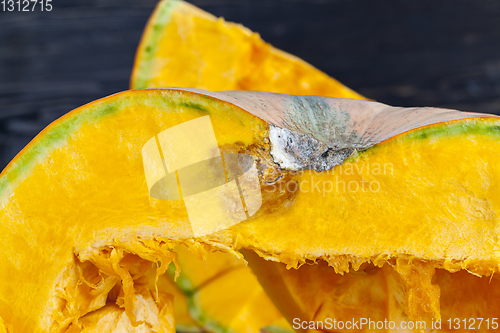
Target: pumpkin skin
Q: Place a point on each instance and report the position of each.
(81, 232)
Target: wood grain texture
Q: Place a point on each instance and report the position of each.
(406, 53)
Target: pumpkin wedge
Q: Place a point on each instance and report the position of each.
(185, 45)
(83, 231)
(213, 288)
(181, 36)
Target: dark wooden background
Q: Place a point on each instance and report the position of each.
(401, 52)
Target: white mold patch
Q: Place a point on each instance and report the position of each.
(296, 151)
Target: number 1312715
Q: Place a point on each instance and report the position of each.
(26, 5)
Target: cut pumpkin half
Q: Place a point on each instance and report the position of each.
(86, 229)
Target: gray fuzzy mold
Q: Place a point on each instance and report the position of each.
(296, 151)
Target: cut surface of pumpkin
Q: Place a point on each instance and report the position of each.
(83, 237)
